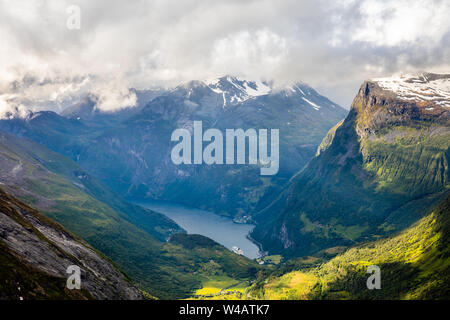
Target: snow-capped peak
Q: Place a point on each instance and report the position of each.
(253, 88)
(426, 87)
(232, 90)
(235, 90)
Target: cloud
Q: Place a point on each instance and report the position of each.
(9, 109)
(113, 96)
(332, 45)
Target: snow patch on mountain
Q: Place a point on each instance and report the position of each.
(254, 88)
(427, 87)
(315, 106)
(236, 90)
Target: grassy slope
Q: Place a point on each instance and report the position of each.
(215, 267)
(154, 223)
(415, 264)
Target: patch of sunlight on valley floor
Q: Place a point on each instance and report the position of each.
(294, 285)
(215, 284)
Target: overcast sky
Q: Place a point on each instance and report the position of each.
(331, 45)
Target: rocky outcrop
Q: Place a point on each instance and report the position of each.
(385, 102)
(32, 242)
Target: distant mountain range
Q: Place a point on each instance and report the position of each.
(130, 150)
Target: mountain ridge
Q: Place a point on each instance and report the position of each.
(386, 153)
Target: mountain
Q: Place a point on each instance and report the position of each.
(375, 173)
(139, 241)
(130, 150)
(35, 253)
(414, 264)
(227, 91)
(141, 147)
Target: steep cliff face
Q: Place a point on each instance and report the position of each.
(403, 126)
(375, 174)
(35, 253)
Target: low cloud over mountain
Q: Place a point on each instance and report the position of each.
(332, 45)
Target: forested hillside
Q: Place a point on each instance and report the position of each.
(415, 264)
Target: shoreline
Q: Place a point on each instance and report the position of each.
(145, 204)
(261, 253)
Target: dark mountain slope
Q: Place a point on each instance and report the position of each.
(35, 253)
(43, 177)
(375, 173)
